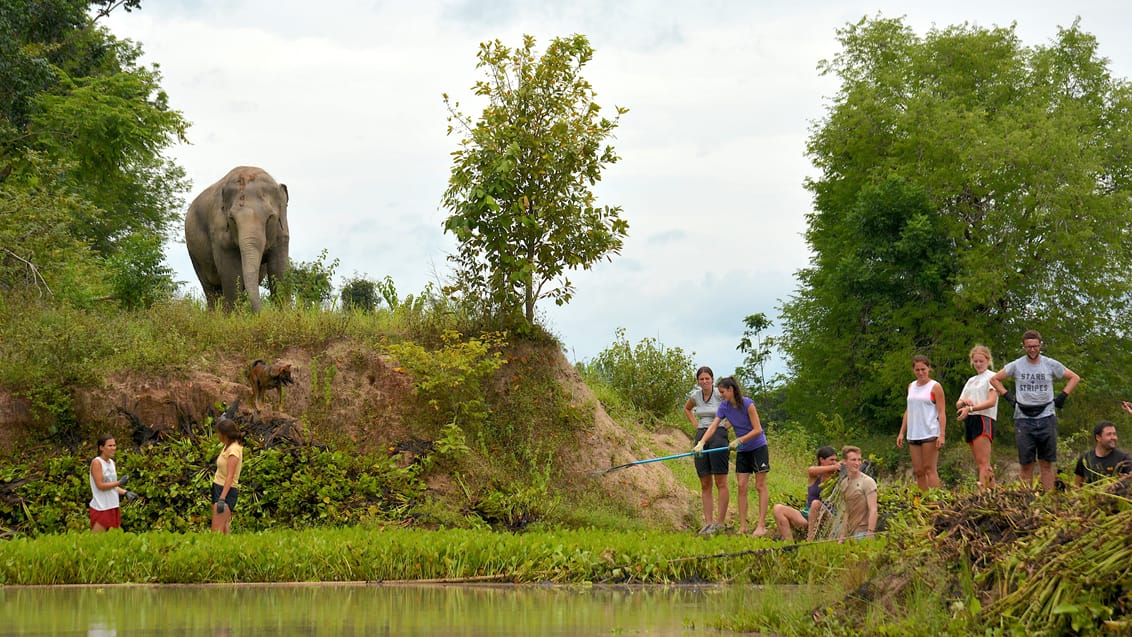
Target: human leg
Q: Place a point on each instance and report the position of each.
(917, 453)
(706, 498)
(723, 495)
(1046, 475)
(786, 519)
(981, 450)
(1027, 450)
(1046, 434)
(764, 502)
(929, 458)
(742, 480)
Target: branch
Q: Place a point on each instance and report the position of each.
(36, 277)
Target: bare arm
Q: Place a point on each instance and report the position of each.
(96, 474)
(821, 471)
(688, 412)
(233, 462)
(711, 429)
(873, 513)
(940, 413)
(1071, 381)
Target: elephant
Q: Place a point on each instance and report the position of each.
(236, 233)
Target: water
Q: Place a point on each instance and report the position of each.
(394, 611)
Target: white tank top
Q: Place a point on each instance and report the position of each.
(923, 420)
(108, 499)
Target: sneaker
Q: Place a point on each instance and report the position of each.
(705, 529)
(711, 529)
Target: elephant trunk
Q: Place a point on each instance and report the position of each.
(251, 256)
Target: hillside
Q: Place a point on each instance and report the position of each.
(347, 397)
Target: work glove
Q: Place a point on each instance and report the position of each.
(1059, 400)
(1009, 397)
(131, 496)
(698, 449)
(123, 480)
(221, 506)
(734, 444)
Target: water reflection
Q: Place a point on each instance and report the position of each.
(403, 611)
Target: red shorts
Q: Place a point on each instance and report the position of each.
(108, 519)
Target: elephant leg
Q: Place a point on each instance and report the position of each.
(228, 267)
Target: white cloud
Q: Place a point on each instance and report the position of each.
(342, 102)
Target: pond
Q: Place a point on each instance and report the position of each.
(437, 611)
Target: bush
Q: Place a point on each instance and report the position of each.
(650, 376)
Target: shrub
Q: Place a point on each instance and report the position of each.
(649, 375)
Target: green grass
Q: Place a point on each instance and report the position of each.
(393, 553)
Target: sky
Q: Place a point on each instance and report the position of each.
(342, 102)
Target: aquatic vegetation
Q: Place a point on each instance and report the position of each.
(393, 553)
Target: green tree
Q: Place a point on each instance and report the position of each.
(82, 130)
(520, 192)
(756, 350)
(307, 284)
(970, 187)
(361, 294)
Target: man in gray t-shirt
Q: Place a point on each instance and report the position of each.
(1035, 419)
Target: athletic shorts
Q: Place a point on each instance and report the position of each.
(977, 426)
(755, 461)
(108, 519)
(1036, 437)
(925, 441)
(233, 493)
(713, 464)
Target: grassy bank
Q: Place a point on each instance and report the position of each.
(384, 554)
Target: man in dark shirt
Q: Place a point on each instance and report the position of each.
(1104, 460)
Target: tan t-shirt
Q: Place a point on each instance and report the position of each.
(855, 492)
(234, 449)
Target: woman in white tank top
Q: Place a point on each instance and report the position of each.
(924, 423)
(105, 487)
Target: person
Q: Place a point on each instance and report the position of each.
(858, 494)
(1104, 460)
(226, 482)
(1126, 406)
(808, 519)
(978, 410)
(700, 408)
(753, 454)
(1035, 418)
(106, 487)
(924, 423)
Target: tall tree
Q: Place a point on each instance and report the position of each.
(87, 196)
(520, 193)
(970, 187)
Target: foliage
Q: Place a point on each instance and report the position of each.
(520, 194)
(649, 375)
(86, 191)
(360, 294)
(450, 380)
(292, 487)
(970, 188)
(386, 553)
(306, 284)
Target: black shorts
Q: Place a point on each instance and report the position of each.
(755, 461)
(713, 464)
(1036, 437)
(917, 443)
(233, 493)
(978, 426)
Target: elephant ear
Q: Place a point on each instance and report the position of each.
(286, 195)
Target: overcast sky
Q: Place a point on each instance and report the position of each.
(341, 100)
